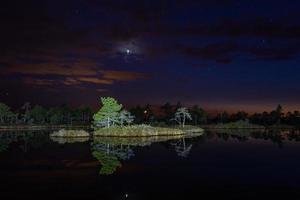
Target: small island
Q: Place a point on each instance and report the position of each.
(112, 120)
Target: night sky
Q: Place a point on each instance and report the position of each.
(220, 54)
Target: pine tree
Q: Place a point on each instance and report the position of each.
(108, 113)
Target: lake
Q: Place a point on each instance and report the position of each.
(218, 164)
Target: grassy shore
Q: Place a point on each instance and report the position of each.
(144, 131)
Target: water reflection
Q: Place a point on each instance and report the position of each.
(181, 147)
(275, 136)
(25, 140)
(66, 140)
(110, 151)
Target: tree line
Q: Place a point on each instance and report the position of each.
(163, 115)
(37, 114)
(199, 116)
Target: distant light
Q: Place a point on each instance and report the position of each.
(127, 51)
(145, 111)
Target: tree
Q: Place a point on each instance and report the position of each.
(181, 115)
(108, 113)
(125, 117)
(167, 111)
(26, 116)
(240, 115)
(55, 115)
(38, 114)
(279, 113)
(5, 113)
(223, 117)
(199, 115)
(138, 112)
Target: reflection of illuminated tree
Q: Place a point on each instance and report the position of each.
(181, 148)
(124, 152)
(109, 162)
(109, 155)
(110, 150)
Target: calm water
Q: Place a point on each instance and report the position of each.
(231, 165)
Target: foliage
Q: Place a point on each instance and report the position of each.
(199, 115)
(168, 111)
(108, 113)
(38, 114)
(55, 115)
(139, 114)
(26, 116)
(5, 113)
(125, 117)
(238, 125)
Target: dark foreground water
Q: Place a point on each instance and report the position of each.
(233, 165)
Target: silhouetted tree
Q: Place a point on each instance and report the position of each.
(199, 115)
(168, 111)
(26, 116)
(38, 114)
(5, 113)
(138, 112)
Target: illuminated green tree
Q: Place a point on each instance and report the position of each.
(108, 113)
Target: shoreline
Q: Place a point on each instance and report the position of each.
(145, 131)
(39, 127)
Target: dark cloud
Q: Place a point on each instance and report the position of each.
(82, 45)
